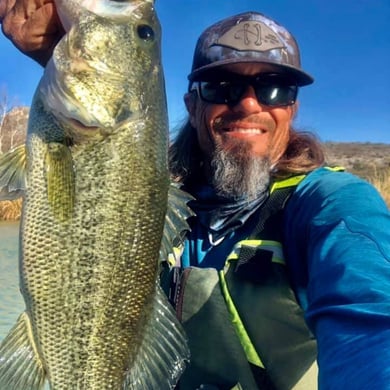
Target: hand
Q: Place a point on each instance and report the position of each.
(33, 27)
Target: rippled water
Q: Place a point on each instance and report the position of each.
(11, 302)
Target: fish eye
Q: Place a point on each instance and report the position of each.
(145, 32)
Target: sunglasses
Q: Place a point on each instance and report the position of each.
(271, 89)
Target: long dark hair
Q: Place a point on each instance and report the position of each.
(304, 153)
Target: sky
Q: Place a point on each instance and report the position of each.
(344, 44)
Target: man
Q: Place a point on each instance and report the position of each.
(287, 262)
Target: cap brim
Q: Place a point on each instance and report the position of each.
(302, 78)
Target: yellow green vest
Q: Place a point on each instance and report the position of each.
(245, 327)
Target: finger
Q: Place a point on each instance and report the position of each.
(36, 34)
(44, 21)
(25, 8)
(5, 6)
(26, 31)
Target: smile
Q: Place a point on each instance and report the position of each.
(241, 130)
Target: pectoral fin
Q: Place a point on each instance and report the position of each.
(175, 221)
(60, 180)
(13, 173)
(20, 366)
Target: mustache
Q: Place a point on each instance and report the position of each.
(230, 119)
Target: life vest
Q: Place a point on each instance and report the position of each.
(244, 325)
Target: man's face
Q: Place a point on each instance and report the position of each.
(248, 126)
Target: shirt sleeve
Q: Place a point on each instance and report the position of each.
(337, 240)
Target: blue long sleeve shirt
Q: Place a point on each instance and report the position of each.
(337, 248)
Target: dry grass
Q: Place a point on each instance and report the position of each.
(367, 160)
(10, 210)
(381, 180)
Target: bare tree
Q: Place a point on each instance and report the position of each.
(3, 113)
(13, 123)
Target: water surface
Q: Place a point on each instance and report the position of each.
(11, 301)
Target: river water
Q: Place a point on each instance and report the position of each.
(11, 302)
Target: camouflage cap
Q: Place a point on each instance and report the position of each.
(248, 37)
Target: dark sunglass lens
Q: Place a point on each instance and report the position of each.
(207, 91)
(236, 90)
(220, 92)
(270, 90)
(276, 95)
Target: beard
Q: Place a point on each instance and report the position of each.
(236, 173)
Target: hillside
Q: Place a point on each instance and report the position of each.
(364, 159)
(353, 156)
(368, 160)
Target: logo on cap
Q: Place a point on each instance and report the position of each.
(250, 35)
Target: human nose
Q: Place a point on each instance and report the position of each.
(248, 102)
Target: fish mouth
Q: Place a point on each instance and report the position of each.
(114, 9)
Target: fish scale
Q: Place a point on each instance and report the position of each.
(96, 200)
(111, 240)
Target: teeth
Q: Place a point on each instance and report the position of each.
(248, 131)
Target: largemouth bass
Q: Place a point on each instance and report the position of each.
(94, 210)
